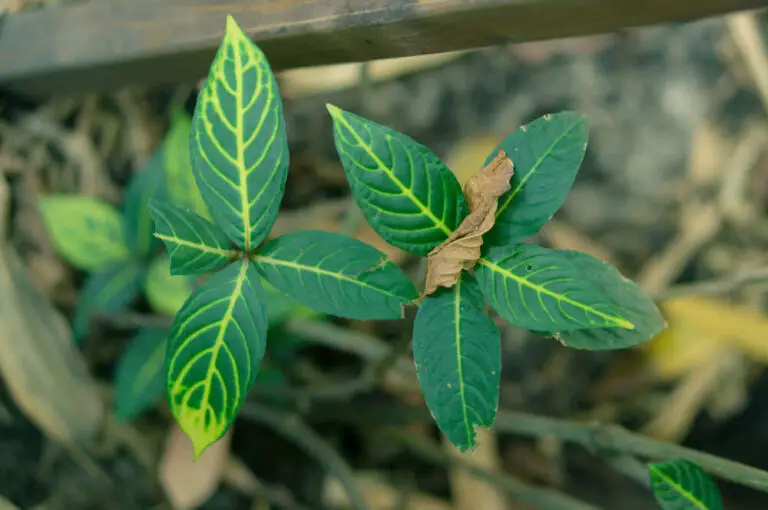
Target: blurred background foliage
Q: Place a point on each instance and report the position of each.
(673, 192)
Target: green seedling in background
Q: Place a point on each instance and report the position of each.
(123, 257)
(239, 159)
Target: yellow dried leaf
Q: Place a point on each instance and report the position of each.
(698, 328)
(462, 248)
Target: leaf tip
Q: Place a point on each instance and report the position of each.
(333, 110)
(232, 28)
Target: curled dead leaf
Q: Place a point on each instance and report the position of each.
(462, 248)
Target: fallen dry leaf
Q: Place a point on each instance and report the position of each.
(462, 248)
(698, 327)
(42, 368)
(188, 482)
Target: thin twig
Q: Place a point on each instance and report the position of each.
(632, 468)
(606, 439)
(546, 499)
(614, 439)
(725, 285)
(291, 426)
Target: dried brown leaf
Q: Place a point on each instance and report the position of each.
(462, 248)
(188, 482)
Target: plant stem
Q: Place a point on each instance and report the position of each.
(600, 438)
(614, 439)
(546, 499)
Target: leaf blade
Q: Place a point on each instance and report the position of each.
(165, 291)
(547, 154)
(180, 180)
(682, 485)
(215, 347)
(139, 380)
(409, 197)
(308, 265)
(106, 291)
(195, 245)
(537, 289)
(634, 305)
(146, 185)
(86, 231)
(457, 352)
(239, 148)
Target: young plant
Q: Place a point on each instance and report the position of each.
(473, 239)
(119, 250)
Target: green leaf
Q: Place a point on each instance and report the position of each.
(633, 304)
(540, 289)
(180, 180)
(166, 292)
(145, 185)
(215, 348)
(239, 144)
(547, 154)
(335, 274)
(457, 354)
(410, 198)
(682, 485)
(195, 244)
(107, 291)
(139, 373)
(281, 307)
(86, 231)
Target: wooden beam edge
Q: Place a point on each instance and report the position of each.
(106, 44)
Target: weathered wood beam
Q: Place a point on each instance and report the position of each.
(103, 44)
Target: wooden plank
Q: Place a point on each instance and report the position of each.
(102, 44)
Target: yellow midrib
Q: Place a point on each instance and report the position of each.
(197, 246)
(313, 269)
(406, 191)
(682, 491)
(619, 321)
(217, 346)
(459, 365)
(241, 148)
(539, 161)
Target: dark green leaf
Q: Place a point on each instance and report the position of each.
(139, 373)
(106, 292)
(145, 186)
(633, 304)
(410, 198)
(335, 274)
(86, 231)
(194, 244)
(682, 485)
(215, 348)
(280, 306)
(457, 354)
(547, 154)
(180, 180)
(166, 292)
(239, 145)
(540, 289)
